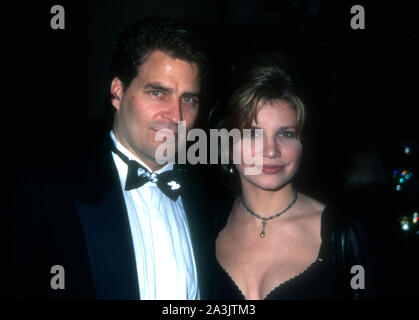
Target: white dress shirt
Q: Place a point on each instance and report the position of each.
(160, 232)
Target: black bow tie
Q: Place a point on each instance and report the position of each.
(169, 182)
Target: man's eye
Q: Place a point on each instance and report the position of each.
(156, 93)
(190, 100)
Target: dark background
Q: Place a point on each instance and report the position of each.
(362, 86)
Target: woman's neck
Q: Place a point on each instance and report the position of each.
(266, 202)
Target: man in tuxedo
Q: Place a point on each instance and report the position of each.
(113, 223)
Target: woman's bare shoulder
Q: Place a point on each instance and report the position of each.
(310, 205)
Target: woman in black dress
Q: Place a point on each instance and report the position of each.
(274, 242)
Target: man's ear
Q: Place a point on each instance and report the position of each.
(117, 89)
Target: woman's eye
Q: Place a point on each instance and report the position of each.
(287, 134)
(252, 133)
(256, 133)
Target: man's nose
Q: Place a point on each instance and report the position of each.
(175, 111)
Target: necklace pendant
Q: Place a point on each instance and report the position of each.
(262, 234)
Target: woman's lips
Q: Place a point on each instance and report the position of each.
(272, 168)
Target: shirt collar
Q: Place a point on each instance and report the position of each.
(131, 156)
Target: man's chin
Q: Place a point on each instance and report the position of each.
(164, 153)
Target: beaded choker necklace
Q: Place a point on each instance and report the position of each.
(265, 220)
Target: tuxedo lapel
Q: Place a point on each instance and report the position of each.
(101, 208)
(103, 216)
(195, 203)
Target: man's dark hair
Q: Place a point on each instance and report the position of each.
(134, 45)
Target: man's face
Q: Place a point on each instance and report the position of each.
(165, 91)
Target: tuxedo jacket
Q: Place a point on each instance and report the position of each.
(70, 212)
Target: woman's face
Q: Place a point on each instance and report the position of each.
(281, 149)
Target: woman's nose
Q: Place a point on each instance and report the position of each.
(271, 148)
